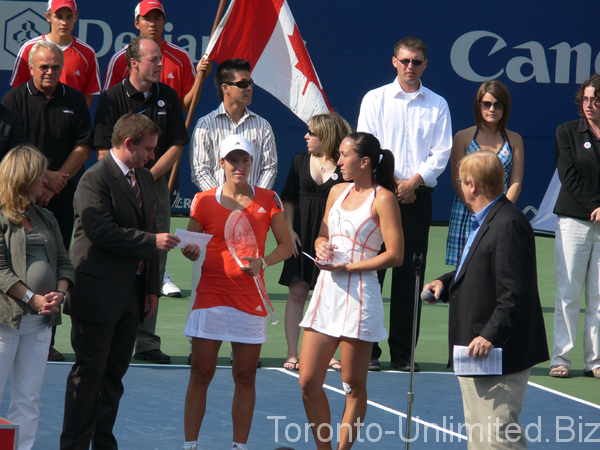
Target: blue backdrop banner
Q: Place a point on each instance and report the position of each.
(541, 50)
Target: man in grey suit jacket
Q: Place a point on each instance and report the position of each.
(494, 302)
(115, 255)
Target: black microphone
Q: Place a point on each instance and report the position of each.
(427, 296)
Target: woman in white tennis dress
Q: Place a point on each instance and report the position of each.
(346, 307)
(349, 304)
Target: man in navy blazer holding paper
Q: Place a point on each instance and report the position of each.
(115, 254)
(494, 302)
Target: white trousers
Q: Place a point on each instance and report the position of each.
(577, 251)
(25, 351)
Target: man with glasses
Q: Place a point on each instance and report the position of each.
(414, 123)
(142, 92)
(81, 65)
(57, 121)
(494, 304)
(58, 126)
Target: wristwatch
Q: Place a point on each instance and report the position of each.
(28, 295)
(263, 264)
(65, 295)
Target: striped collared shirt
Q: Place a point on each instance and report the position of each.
(216, 126)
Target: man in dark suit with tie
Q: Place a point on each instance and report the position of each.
(494, 303)
(115, 255)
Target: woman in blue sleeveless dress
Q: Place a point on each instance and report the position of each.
(492, 111)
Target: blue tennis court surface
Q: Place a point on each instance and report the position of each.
(151, 412)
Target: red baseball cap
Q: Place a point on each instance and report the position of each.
(55, 5)
(145, 6)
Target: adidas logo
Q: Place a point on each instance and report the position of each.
(262, 210)
(170, 75)
(258, 308)
(77, 73)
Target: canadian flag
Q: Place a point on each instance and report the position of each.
(264, 32)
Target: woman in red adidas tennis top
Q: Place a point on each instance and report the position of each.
(228, 306)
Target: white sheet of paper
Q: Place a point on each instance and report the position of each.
(323, 263)
(191, 237)
(466, 366)
(338, 256)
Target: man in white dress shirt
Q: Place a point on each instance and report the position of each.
(414, 123)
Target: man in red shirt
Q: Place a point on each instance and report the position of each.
(80, 69)
(178, 70)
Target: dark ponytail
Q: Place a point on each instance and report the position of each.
(384, 173)
(382, 161)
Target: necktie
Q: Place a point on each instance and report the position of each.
(134, 185)
(138, 197)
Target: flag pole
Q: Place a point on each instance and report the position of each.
(196, 89)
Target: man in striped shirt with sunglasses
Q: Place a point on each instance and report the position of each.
(234, 88)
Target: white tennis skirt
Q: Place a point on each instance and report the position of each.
(223, 323)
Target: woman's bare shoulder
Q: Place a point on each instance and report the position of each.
(515, 138)
(337, 189)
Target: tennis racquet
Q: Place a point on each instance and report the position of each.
(241, 242)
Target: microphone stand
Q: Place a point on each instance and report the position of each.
(410, 396)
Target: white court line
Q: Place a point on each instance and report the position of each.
(380, 406)
(531, 383)
(562, 394)
(287, 372)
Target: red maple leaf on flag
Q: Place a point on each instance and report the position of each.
(304, 64)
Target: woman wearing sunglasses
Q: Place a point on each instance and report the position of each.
(311, 176)
(492, 111)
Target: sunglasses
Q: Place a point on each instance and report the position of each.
(311, 133)
(415, 62)
(46, 67)
(487, 105)
(242, 84)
